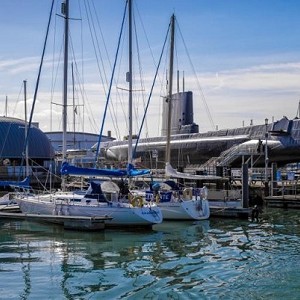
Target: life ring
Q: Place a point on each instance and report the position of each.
(137, 201)
(187, 194)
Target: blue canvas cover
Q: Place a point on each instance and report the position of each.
(67, 169)
(23, 183)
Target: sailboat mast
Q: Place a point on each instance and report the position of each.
(6, 106)
(26, 126)
(65, 11)
(129, 79)
(169, 98)
(74, 107)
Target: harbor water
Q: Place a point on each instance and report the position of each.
(213, 259)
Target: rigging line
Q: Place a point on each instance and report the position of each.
(98, 47)
(16, 103)
(113, 115)
(34, 163)
(110, 86)
(102, 36)
(84, 96)
(152, 87)
(10, 124)
(82, 59)
(120, 104)
(52, 73)
(81, 80)
(114, 120)
(111, 108)
(141, 77)
(72, 56)
(37, 85)
(198, 83)
(118, 96)
(54, 76)
(151, 52)
(176, 60)
(147, 40)
(163, 90)
(81, 40)
(76, 88)
(92, 121)
(95, 45)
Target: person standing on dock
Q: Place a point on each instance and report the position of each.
(255, 213)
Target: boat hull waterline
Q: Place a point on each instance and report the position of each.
(121, 214)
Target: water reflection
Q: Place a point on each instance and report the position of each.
(210, 259)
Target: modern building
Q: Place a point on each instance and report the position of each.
(13, 149)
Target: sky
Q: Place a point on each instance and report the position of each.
(240, 58)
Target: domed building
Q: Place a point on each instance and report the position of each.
(12, 141)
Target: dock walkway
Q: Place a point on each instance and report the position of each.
(283, 201)
(230, 212)
(69, 222)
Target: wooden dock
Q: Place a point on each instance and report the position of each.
(12, 208)
(283, 201)
(230, 212)
(69, 222)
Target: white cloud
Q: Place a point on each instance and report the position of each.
(231, 96)
(236, 96)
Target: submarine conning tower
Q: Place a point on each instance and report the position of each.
(182, 120)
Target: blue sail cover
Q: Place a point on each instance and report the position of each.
(131, 171)
(24, 182)
(67, 169)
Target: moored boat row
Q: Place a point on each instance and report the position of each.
(133, 208)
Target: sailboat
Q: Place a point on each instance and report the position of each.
(178, 203)
(103, 197)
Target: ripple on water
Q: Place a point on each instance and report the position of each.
(224, 259)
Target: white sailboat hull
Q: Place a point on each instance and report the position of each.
(179, 207)
(185, 210)
(122, 214)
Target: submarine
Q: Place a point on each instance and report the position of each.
(227, 147)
